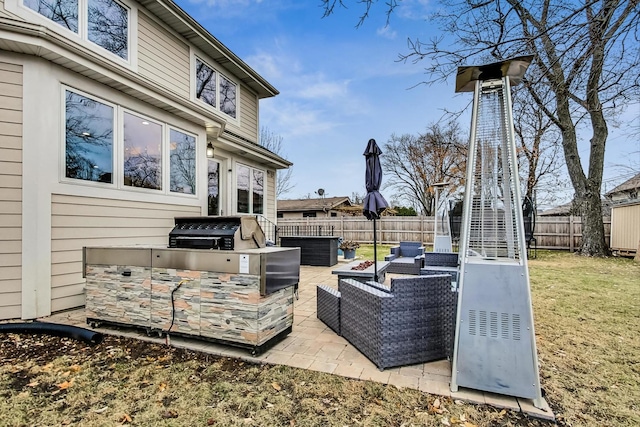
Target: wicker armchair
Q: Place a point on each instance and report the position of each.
(441, 263)
(407, 258)
(413, 322)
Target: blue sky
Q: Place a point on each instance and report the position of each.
(340, 85)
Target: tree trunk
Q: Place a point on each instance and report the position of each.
(593, 239)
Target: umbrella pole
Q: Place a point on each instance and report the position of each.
(375, 254)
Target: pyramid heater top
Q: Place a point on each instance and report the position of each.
(513, 68)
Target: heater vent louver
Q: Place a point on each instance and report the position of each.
(485, 323)
(473, 322)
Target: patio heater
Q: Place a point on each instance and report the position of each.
(441, 227)
(495, 347)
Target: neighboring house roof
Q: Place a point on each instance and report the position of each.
(562, 210)
(568, 209)
(630, 184)
(298, 205)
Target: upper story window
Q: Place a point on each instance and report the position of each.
(62, 12)
(108, 26)
(215, 89)
(227, 96)
(103, 22)
(205, 83)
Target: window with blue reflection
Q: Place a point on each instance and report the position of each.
(142, 152)
(89, 139)
(227, 96)
(108, 24)
(62, 12)
(182, 161)
(205, 83)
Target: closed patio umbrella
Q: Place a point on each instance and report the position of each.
(374, 203)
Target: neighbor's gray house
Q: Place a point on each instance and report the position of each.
(312, 208)
(107, 111)
(626, 192)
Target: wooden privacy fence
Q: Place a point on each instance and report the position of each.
(561, 232)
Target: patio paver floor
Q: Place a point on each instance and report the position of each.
(312, 345)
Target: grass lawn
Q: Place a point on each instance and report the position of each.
(587, 314)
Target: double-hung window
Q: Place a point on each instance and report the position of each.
(104, 23)
(214, 89)
(250, 190)
(154, 155)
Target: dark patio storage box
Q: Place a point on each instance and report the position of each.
(314, 250)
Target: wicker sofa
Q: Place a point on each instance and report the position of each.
(406, 258)
(412, 322)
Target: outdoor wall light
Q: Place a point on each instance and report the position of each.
(210, 150)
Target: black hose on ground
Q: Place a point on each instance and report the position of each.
(75, 332)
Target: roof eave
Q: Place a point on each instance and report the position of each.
(190, 29)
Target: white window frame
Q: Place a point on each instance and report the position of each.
(163, 149)
(219, 72)
(63, 140)
(235, 189)
(169, 128)
(81, 37)
(118, 150)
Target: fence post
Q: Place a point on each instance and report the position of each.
(571, 248)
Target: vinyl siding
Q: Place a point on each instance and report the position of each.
(87, 221)
(248, 115)
(271, 196)
(162, 58)
(10, 190)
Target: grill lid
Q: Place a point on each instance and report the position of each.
(217, 232)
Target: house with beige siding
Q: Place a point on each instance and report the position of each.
(115, 117)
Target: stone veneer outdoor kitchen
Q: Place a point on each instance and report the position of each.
(238, 308)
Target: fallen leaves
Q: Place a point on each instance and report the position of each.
(169, 414)
(276, 386)
(66, 384)
(454, 421)
(435, 407)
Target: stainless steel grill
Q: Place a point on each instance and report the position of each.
(217, 232)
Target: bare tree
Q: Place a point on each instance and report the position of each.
(538, 144)
(357, 198)
(284, 178)
(584, 72)
(414, 164)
